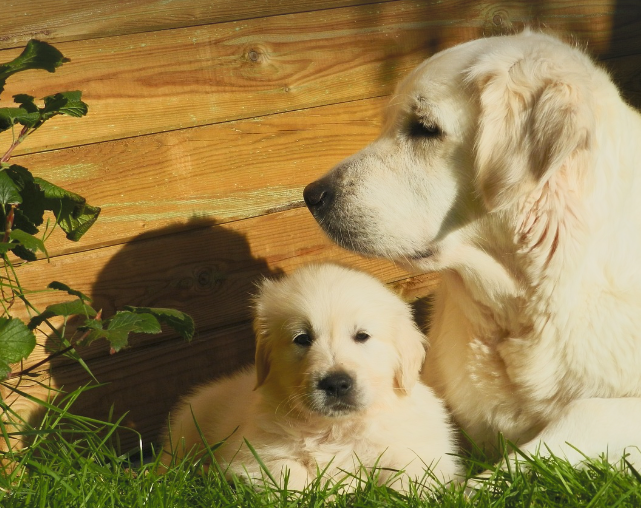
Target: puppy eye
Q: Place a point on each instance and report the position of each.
(361, 337)
(303, 339)
(418, 129)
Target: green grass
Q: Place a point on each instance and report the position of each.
(71, 462)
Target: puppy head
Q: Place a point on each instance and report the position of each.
(334, 341)
(471, 130)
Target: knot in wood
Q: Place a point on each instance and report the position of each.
(204, 278)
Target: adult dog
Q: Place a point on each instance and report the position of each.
(336, 390)
(511, 166)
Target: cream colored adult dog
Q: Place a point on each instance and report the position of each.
(512, 166)
(335, 388)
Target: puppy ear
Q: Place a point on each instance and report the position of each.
(536, 118)
(410, 347)
(263, 354)
(261, 332)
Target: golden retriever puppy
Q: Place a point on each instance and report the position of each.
(335, 389)
(512, 166)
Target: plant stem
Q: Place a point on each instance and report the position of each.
(9, 223)
(23, 134)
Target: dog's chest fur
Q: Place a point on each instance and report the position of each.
(513, 375)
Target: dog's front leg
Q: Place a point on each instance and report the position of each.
(289, 473)
(590, 428)
(585, 429)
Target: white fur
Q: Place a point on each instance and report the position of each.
(529, 204)
(396, 421)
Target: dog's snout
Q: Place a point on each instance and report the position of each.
(318, 195)
(337, 384)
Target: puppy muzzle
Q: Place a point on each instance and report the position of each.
(336, 394)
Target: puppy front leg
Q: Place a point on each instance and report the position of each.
(294, 472)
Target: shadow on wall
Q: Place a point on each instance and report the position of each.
(203, 269)
(622, 59)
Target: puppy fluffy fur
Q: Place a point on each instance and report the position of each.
(511, 165)
(335, 387)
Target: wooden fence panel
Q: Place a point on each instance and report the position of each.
(55, 21)
(219, 173)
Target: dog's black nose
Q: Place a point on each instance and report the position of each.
(318, 195)
(336, 385)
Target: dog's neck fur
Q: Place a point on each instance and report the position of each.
(531, 288)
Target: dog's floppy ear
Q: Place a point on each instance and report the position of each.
(410, 346)
(261, 332)
(263, 354)
(536, 118)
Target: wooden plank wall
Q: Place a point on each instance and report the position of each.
(207, 118)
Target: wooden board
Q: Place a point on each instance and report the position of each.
(218, 173)
(55, 21)
(174, 79)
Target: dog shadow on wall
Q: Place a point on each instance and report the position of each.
(201, 268)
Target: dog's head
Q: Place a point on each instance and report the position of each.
(473, 131)
(333, 341)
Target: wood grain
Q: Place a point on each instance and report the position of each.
(55, 21)
(175, 79)
(219, 173)
(172, 79)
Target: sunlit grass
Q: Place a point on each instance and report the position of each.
(71, 462)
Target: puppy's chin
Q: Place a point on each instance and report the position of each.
(331, 407)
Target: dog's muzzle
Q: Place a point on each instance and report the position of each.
(319, 197)
(338, 393)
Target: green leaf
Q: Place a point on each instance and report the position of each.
(71, 210)
(36, 55)
(6, 247)
(11, 116)
(59, 286)
(74, 215)
(9, 191)
(17, 341)
(64, 103)
(65, 309)
(30, 215)
(75, 221)
(71, 308)
(27, 102)
(119, 327)
(5, 370)
(27, 241)
(178, 321)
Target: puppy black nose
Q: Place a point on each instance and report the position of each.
(336, 385)
(318, 195)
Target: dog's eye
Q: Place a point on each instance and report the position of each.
(303, 339)
(361, 337)
(418, 129)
